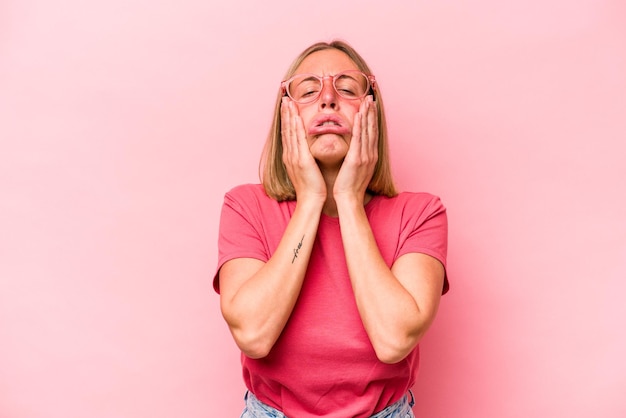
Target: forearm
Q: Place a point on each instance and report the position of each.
(391, 315)
(258, 309)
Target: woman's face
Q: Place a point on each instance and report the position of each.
(328, 120)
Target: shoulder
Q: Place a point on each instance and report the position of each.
(246, 195)
(417, 197)
(251, 201)
(247, 191)
(407, 211)
(411, 202)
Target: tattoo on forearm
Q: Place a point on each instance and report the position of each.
(296, 250)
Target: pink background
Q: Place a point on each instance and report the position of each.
(123, 123)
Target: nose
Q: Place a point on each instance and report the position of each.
(328, 95)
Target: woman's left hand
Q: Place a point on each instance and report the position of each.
(360, 161)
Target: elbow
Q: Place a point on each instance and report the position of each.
(253, 341)
(395, 345)
(392, 351)
(252, 345)
(254, 352)
(390, 356)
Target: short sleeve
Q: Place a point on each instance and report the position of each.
(425, 230)
(239, 232)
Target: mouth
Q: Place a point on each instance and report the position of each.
(328, 124)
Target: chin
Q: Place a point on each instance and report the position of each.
(330, 160)
(329, 149)
(329, 143)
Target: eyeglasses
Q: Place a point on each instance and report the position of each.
(306, 88)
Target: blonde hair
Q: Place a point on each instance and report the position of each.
(272, 171)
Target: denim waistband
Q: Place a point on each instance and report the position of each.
(257, 409)
(399, 409)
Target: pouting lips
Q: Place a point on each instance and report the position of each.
(328, 124)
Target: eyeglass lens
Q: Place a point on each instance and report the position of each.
(306, 87)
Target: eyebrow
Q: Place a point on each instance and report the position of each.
(343, 75)
(309, 78)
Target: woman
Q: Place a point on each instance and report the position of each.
(328, 278)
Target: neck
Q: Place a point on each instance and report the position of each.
(330, 206)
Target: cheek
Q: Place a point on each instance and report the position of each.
(352, 107)
(350, 113)
(306, 114)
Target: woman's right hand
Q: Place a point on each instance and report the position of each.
(302, 169)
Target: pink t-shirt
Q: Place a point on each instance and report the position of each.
(323, 364)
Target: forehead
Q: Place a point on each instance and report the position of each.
(326, 62)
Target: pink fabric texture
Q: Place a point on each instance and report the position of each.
(324, 364)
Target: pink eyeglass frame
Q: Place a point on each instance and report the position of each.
(370, 79)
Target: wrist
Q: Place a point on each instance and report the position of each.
(311, 202)
(349, 200)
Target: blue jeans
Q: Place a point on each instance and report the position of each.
(257, 409)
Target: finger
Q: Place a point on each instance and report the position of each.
(293, 126)
(357, 130)
(285, 120)
(365, 140)
(372, 125)
(300, 133)
(363, 136)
